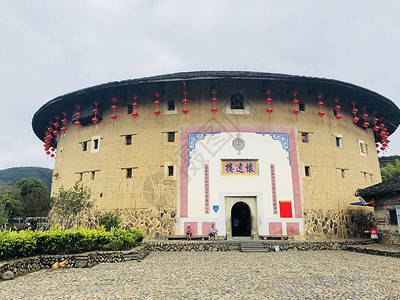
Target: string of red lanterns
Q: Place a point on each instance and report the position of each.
(296, 111)
(52, 130)
(64, 121)
(337, 109)
(185, 101)
(157, 104)
(135, 106)
(320, 104)
(114, 108)
(95, 120)
(214, 101)
(78, 115)
(269, 109)
(365, 116)
(354, 111)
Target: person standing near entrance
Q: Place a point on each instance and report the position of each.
(213, 232)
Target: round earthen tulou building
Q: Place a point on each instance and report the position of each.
(258, 154)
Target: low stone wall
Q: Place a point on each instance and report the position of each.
(367, 250)
(349, 223)
(292, 245)
(81, 260)
(391, 239)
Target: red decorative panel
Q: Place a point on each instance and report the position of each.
(275, 228)
(193, 225)
(293, 228)
(205, 227)
(273, 187)
(285, 208)
(206, 189)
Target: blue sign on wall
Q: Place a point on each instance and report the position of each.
(216, 208)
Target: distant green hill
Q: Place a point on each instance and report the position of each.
(384, 160)
(9, 177)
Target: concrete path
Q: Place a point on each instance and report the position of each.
(220, 275)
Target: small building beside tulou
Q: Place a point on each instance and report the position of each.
(258, 154)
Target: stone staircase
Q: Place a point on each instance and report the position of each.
(253, 247)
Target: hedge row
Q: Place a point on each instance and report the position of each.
(15, 244)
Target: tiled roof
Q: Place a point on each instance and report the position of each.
(385, 187)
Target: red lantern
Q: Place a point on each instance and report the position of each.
(377, 151)
(64, 129)
(365, 125)
(185, 102)
(355, 120)
(296, 111)
(113, 117)
(321, 114)
(95, 120)
(398, 199)
(376, 128)
(320, 104)
(52, 155)
(55, 132)
(338, 117)
(373, 202)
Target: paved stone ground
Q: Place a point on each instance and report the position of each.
(220, 275)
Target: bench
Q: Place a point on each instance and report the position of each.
(183, 237)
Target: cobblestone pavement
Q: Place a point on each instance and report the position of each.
(220, 275)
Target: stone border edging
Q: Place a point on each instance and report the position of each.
(372, 251)
(81, 260)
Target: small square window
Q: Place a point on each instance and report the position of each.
(96, 144)
(129, 109)
(307, 171)
(93, 174)
(343, 173)
(171, 105)
(302, 106)
(129, 173)
(393, 217)
(128, 139)
(80, 176)
(237, 101)
(84, 146)
(305, 137)
(171, 137)
(335, 112)
(170, 170)
(339, 142)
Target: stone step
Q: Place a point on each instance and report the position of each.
(252, 247)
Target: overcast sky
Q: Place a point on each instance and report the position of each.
(49, 48)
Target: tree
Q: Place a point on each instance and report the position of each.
(109, 220)
(391, 171)
(12, 206)
(68, 203)
(34, 196)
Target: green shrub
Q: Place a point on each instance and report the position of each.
(25, 243)
(109, 220)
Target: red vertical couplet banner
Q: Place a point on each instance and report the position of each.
(206, 189)
(273, 186)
